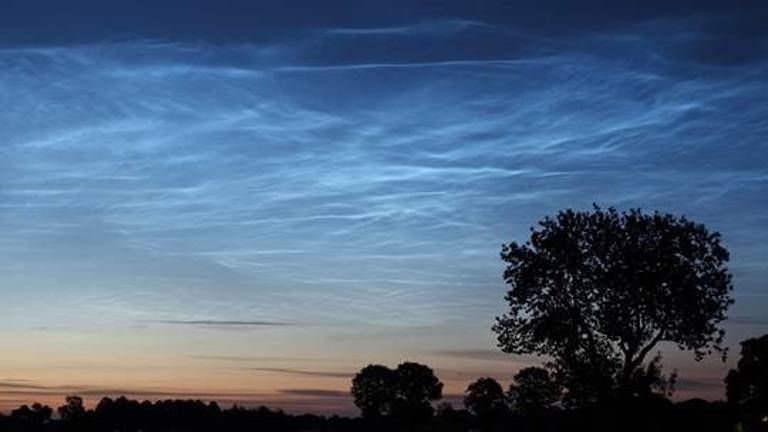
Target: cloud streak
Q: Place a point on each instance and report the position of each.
(333, 394)
(485, 355)
(289, 371)
(227, 358)
(223, 323)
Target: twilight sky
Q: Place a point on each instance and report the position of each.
(249, 201)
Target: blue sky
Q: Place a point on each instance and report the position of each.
(252, 201)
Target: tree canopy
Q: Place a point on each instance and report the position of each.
(747, 385)
(406, 392)
(373, 390)
(485, 397)
(597, 291)
(533, 390)
(73, 409)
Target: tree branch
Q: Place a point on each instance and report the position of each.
(644, 352)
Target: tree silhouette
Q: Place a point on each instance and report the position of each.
(485, 398)
(598, 291)
(373, 389)
(127, 415)
(747, 385)
(534, 390)
(72, 410)
(448, 419)
(416, 388)
(405, 393)
(37, 414)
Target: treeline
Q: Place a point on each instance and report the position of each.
(537, 400)
(126, 415)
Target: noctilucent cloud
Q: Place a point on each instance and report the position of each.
(249, 201)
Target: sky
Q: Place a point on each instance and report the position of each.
(250, 201)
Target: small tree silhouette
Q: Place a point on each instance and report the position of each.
(747, 385)
(73, 410)
(37, 414)
(485, 398)
(534, 390)
(373, 389)
(416, 388)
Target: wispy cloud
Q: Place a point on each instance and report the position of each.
(759, 321)
(31, 390)
(327, 374)
(252, 359)
(223, 323)
(23, 385)
(485, 355)
(316, 393)
(320, 180)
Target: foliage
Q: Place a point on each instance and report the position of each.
(126, 415)
(416, 387)
(485, 398)
(598, 291)
(38, 413)
(373, 390)
(73, 410)
(747, 385)
(406, 392)
(534, 390)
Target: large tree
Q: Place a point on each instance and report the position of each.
(598, 291)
